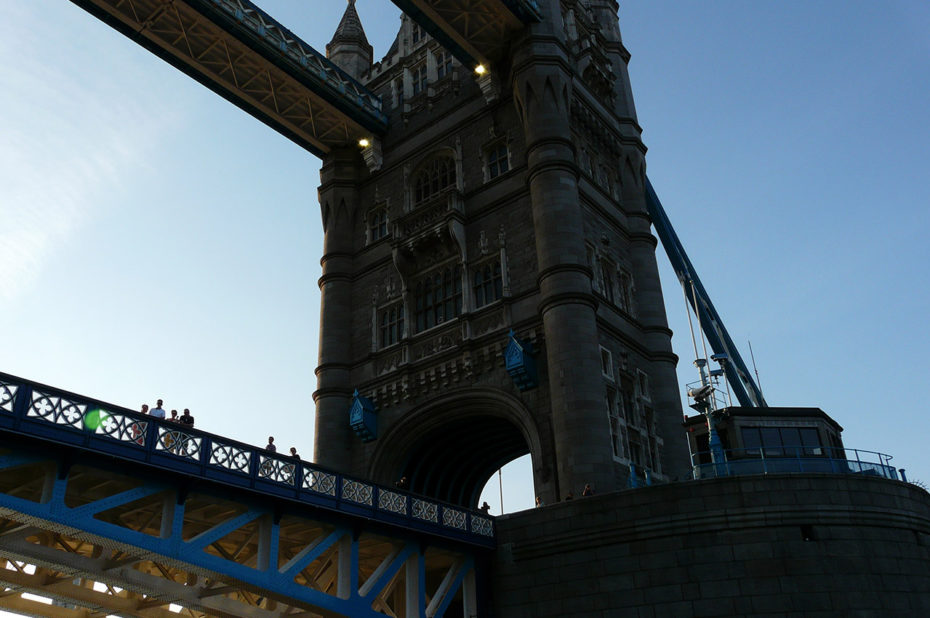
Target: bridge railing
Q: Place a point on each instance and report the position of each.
(49, 413)
(793, 460)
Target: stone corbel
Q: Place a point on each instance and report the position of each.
(372, 154)
(490, 86)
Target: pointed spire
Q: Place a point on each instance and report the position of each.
(350, 49)
(350, 28)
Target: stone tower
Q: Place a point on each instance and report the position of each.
(511, 201)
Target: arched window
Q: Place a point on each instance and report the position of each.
(438, 297)
(437, 175)
(488, 284)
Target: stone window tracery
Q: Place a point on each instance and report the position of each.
(433, 178)
(418, 74)
(443, 63)
(438, 297)
(498, 160)
(377, 223)
(390, 325)
(488, 283)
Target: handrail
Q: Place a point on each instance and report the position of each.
(793, 460)
(42, 411)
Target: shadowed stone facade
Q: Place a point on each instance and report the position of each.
(799, 545)
(508, 201)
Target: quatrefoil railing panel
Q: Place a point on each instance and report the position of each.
(56, 410)
(392, 501)
(427, 511)
(453, 518)
(357, 492)
(276, 470)
(230, 457)
(178, 443)
(320, 482)
(7, 396)
(482, 526)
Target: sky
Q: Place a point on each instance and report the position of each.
(157, 242)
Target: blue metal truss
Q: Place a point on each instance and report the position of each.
(43, 425)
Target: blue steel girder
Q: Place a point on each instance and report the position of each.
(209, 523)
(474, 31)
(242, 54)
(744, 387)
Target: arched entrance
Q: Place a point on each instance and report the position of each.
(449, 447)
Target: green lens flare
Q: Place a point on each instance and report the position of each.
(93, 419)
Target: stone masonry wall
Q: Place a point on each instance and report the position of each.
(811, 545)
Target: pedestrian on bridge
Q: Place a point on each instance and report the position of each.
(270, 447)
(187, 419)
(158, 411)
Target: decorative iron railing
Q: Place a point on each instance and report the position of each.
(793, 460)
(266, 28)
(40, 411)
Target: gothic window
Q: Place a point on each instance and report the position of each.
(617, 426)
(417, 33)
(488, 283)
(642, 385)
(498, 160)
(377, 223)
(606, 279)
(399, 91)
(625, 291)
(607, 364)
(432, 179)
(443, 63)
(438, 297)
(419, 78)
(390, 325)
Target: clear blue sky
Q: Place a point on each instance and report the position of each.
(159, 242)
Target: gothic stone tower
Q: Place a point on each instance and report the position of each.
(509, 201)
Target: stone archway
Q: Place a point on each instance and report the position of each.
(449, 447)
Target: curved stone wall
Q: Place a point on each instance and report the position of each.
(798, 545)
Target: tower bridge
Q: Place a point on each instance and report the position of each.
(489, 290)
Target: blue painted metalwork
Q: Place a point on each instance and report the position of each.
(744, 387)
(259, 30)
(520, 364)
(341, 110)
(47, 413)
(362, 418)
(793, 460)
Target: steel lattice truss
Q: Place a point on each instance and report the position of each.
(147, 545)
(238, 51)
(475, 31)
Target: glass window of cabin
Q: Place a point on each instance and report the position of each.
(810, 440)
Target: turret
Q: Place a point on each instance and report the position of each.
(349, 49)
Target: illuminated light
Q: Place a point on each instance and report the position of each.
(480, 69)
(364, 143)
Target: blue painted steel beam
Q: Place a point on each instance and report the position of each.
(330, 87)
(87, 521)
(744, 387)
(60, 419)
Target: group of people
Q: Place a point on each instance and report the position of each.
(159, 412)
(270, 447)
(587, 491)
